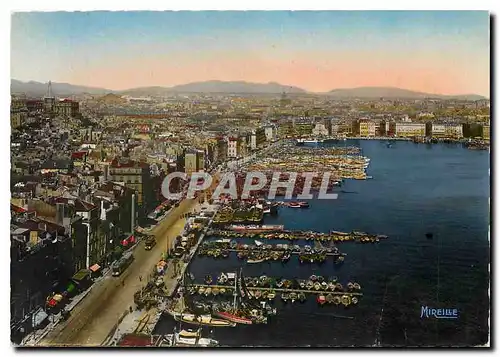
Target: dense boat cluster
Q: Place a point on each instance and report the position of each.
(260, 252)
(334, 236)
(342, 163)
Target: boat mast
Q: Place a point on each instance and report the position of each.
(235, 291)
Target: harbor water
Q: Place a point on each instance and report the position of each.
(416, 189)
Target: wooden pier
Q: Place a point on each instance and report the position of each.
(305, 291)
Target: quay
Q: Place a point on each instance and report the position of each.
(305, 291)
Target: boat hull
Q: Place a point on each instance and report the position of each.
(233, 318)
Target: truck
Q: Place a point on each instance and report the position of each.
(149, 242)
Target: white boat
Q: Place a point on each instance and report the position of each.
(190, 338)
(258, 243)
(207, 320)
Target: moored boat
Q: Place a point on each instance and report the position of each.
(346, 300)
(233, 318)
(321, 299)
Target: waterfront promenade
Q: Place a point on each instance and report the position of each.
(94, 318)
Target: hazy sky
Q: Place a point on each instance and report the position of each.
(437, 52)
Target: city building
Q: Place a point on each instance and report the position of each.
(486, 132)
(190, 161)
(232, 147)
(406, 129)
(445, 130)
(67, 107)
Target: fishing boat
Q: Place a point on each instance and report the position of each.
(255, 281)
(222, 279)
(201, 290)
(340, 260)
(317, 286)
(302, 297)
(324, 285)
(354, 300)
(258, 294)
(262, 280)
(284, 297)
(339, 286)
(336, 300)
(309, 284)
(233, 318)
(329, 298)
(280, 283)
(189, 338)
(206, 320)
(350, 286)
(339, 233)
(321, 299)
(222, 291)
(357, 286)
(271, 295)
(208, 279)
(256, 260)
(331, 286)
(302, 284)
(313, 278)
(208, 291)
(346, 300)
(321, 279)
(286, 257)
(215, 291)
(294, 205)
(263, 228)
(293, 297)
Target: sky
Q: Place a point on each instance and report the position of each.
(442, 52)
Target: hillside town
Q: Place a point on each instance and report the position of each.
(87, 169)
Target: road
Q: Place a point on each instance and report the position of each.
(94, 318)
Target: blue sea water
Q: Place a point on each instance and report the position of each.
(416, 188)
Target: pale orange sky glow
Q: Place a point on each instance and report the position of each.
(422, 73)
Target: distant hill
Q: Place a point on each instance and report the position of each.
(111, 98)
(37, 89)
(235, 87)
(392, 92)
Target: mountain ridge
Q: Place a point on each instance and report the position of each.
(34, 88)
